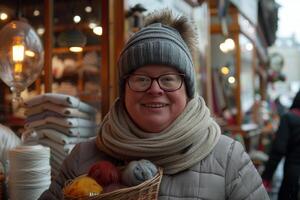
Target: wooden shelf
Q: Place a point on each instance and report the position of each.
(88, 97)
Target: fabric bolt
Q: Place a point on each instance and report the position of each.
(42, 115)
(157, 44)
(64, 122)
(185, 142)
(59, 137)
(60, 99)
(74, 132)
(42, 108)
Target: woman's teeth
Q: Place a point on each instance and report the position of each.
(160, 105)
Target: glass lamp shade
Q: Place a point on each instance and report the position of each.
(21, 56)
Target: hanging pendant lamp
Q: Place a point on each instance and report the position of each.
(74, 39)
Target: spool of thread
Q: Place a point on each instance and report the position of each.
(29, 172)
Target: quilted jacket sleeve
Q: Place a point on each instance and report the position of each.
(82, 157)
(242, 179)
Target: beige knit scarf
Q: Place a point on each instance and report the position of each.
(184, 143)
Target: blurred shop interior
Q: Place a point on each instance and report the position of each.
(243, 69)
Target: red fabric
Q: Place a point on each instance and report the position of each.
(268, 185)
(296, 111)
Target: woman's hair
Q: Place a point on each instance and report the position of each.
(296, 101)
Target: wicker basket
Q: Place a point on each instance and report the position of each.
(147, 190)
(2, 179)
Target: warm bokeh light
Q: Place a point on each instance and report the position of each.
(231, 80)
(29, 53)
(223, 47)
(18, 50)
(230, 44)
(75, 49)
(225, 70)
(40, 31)
(227, 45)
(3, 16)
(36, 13)
(98, 30)
(88, 9)
(92, 25)
(76, 18)
(249, 47)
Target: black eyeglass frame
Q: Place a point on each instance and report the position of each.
(126, 78)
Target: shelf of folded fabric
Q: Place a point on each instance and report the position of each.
(78, 74)
(59, 121)
(75, 75)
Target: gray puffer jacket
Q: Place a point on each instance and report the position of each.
(226, 173)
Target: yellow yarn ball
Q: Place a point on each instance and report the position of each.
(83, 186)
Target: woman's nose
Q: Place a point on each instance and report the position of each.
(155, 88)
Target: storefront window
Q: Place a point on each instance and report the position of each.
(247, 73)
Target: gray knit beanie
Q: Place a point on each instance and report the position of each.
(157, 44)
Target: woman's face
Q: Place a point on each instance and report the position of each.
(154, 109)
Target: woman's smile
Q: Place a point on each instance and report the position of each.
(154, 105)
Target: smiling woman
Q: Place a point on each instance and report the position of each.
(160, 117)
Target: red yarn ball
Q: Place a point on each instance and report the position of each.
(105, 173)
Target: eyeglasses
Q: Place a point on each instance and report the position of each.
(166, 82)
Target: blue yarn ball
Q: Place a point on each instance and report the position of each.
(139, 171)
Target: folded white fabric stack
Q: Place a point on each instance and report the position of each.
(59, 121)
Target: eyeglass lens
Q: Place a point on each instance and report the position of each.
(167, 82)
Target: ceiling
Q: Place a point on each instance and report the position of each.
(63, 13)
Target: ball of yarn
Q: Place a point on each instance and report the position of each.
(83, 186)
(137, 172)
(105, 173)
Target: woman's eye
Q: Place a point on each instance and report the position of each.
(140, 79)
(167, 78)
